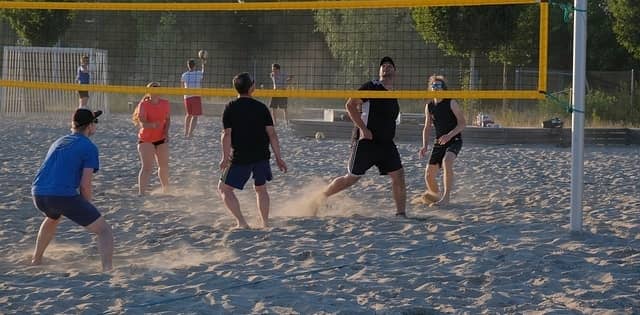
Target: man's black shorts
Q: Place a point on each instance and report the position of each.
(439, 150)
(278, 102)
(367, 153)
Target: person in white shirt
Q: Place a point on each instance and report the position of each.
(192, 79)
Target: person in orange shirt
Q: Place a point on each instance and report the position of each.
(152, 116)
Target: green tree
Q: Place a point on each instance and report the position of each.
(38, 27)
(625, 24)
(498, 32)
(471, 31)
(605, 51)
(357, 37)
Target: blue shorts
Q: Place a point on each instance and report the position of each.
(237, 175)
(76, 208)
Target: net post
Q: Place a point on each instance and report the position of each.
(543, 45)
(577, 126)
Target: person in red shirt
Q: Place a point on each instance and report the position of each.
(152, 116)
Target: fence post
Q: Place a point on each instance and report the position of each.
(633, 83)
(517, 80)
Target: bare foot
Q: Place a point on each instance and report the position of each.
(36, 262)
(429, 197)
(442, 202)
(317, 203)
(241, 226)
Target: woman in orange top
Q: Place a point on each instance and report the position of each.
(153, 118)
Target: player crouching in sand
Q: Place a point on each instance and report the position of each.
(67, 169)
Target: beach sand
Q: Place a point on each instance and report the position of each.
(502, 247)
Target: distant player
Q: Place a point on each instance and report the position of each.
(192, 103)
(447, 118)
(83, 77)
(280, 80)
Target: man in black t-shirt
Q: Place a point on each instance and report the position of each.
(447, 118)
(248, 132)
(375, 128)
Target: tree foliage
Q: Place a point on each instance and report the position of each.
(497, 32)
(625, 24)
(38, 27)
(358, 37)
(605, 49)
(461, 31)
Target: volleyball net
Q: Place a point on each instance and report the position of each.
(326, 48)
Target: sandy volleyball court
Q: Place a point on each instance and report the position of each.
(503, 247)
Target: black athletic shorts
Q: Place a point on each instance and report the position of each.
(278, 102)
(155, 143)
(366, 153)
(83, 93)
(439, 150)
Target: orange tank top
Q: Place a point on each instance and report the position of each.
(153, 112)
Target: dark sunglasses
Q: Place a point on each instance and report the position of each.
(437, 85)
(95, 121)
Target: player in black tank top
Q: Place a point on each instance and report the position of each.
(443, 117)
(447, 118)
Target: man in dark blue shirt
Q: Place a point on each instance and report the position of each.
(375, 128)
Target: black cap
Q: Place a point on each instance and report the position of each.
(387, 59)
(83, 116)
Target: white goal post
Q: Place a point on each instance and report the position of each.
(49, 64)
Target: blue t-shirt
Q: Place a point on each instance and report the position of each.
(61, 170)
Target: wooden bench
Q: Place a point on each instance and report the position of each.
(336, 115)
(331, 114)
(512, 135)
(478, 135)
(412, 118)
(606, 136)
(634, 136)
